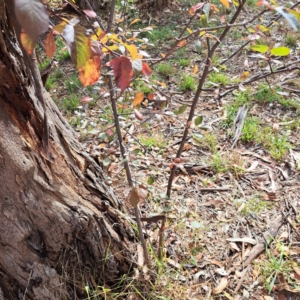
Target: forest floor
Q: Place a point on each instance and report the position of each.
(230, 192)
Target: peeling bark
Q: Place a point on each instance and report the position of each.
(59, 222)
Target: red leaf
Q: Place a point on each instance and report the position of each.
(146, 70)
(90, 13)
(151, 96)
(195, 7)
(50, 44)
(86, 99)
(122, 70)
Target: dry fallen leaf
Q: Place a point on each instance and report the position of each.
(255, 272)
(211, 202)
(243, 240)
(221, 286)
(140, 254)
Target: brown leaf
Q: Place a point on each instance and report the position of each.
(134, 197)
(138, 115)
(211, 202)
(50, 45)
(255, 272)
(243, 240)
(221, 286)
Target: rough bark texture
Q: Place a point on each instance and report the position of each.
(59, 223)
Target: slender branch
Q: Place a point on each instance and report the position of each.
(127, 169)
(111, 15)
(199, 90)
(97, 18)
(208, 29)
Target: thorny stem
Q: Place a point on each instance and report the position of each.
(199, 90)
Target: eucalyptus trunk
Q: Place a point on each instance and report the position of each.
(61, 227)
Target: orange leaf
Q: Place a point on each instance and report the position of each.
(146, 70)
(182, 43)
(195, 70)
(139, 97)
(122, 70)
(59, 28)
(244, 76)
(196, 7)
(151, 96)
(225, 3)
(50, 44)
(27, 42)
(90, 72)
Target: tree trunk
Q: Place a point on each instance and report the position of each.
(59, 222)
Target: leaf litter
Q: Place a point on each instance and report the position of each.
(224, 202)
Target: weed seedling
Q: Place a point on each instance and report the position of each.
(187, 83)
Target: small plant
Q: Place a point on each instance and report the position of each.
(218, 163)
(291, 40)
(256, 205)
(251, 129)
(187, 83)
(160, 35)
(207, 141)
(73, 83)
(219, 78)
(62, 52)
(70, 103)
(184, 62)
(156, 140)
(165, 69)
(275, 265)
(141, 86)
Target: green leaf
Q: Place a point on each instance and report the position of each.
(196, 224)
(206, 10)
(106, 161)
(181, 109)
(150, 180)
(102, 136)
(260, 48)
(78, 43)
(280, 51)
(198, 120)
